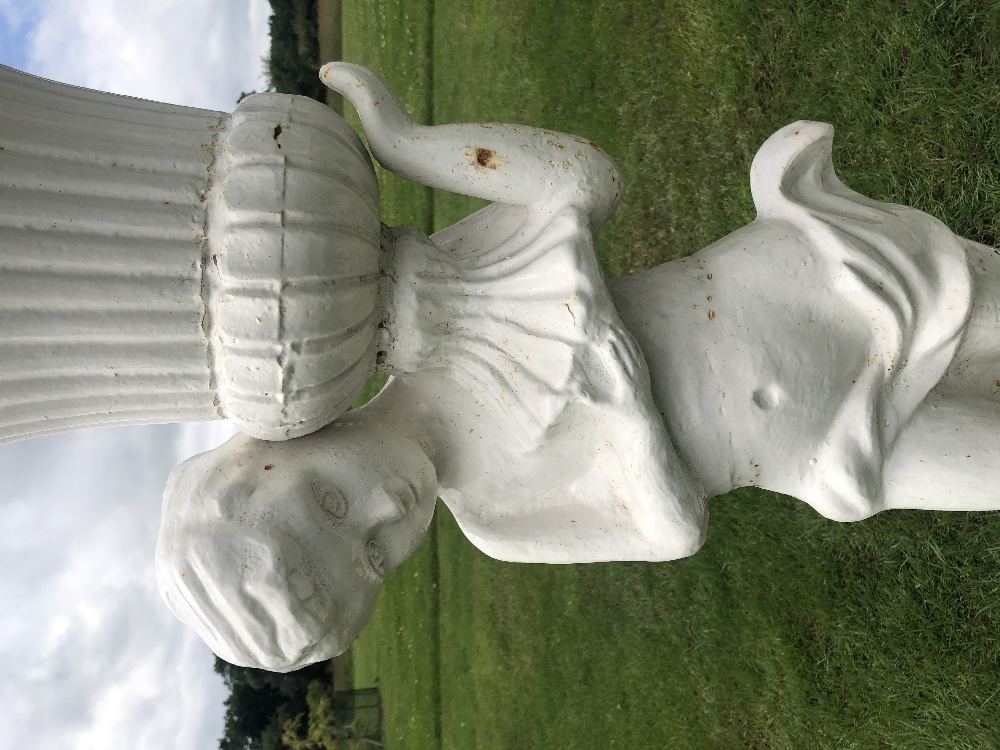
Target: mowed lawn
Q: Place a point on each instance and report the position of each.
(786, 630)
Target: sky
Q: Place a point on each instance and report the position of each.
(90, 656)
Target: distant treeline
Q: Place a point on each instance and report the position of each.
(294, 711)
(292, 64)
(262, 704)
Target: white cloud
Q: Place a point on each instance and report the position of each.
(91, 657)
(201, 53)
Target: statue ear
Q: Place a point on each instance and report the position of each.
(794, 170)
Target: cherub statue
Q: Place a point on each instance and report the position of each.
(837, 349)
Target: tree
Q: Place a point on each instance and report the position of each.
(260, 702)
(293, 61)
(323, 731)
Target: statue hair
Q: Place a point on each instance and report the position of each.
(223, 568)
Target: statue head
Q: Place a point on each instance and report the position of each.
(275, 552)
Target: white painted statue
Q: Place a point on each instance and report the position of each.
(838, 349)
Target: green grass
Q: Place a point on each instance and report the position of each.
(787, 630)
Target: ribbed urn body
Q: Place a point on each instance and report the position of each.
(165, 264)
(293, 242)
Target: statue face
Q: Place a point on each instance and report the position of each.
(277, 551)
(365, 498)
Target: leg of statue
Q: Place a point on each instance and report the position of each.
(948, 457)
(975, 371)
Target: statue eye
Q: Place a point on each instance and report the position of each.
(377, 557)
(330, 500)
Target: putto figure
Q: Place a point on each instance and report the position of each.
(837, 349)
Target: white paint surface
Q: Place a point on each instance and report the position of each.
(833, 350)
(810, 352)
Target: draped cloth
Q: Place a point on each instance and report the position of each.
(511, 305)
(791, 353)
(902, 271)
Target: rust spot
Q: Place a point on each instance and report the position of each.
(268, 467)
(709, 277)
(279, 130)
(709, 298)
(711, 314)
(997, 383)
(557, 145)
(485, 158)
(585, 142)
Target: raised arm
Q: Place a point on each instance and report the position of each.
(505, 163)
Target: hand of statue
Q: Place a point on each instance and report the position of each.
(498, 162)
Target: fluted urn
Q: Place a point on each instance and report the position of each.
(164, 264)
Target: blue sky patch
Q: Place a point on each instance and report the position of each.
(14, 41)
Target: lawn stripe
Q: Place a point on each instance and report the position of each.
(787, 630)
